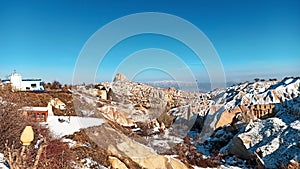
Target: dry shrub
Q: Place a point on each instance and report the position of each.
(45, 151)
(188, 154)
(55, 153)
(93, 151)
(11, 126)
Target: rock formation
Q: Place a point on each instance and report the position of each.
(120, 78)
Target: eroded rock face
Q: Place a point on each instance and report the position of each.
(154, 103)
(117, 115)
(120, 78)
(254, 100)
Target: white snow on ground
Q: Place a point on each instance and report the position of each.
(70, 125)
(2, 165)
(70, 142)
(88, 163)
(164, 141)
(277, 138)
(296, 125)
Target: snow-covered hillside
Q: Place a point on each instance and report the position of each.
(274, 139)
(252, 93)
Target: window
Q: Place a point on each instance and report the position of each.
(33, 85)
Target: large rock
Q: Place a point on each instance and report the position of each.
(238, 148)
(116, 163)
(117, 115)
(120, 146)
(227, 116)
(276, 139)
(120, 77)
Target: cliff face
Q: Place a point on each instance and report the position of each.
(261, 118)
(254, 100)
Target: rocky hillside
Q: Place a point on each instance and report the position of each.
(253, 100)
(226, 114)
(236, 126)
(250, 125)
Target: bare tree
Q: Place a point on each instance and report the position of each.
(56, 85)
(11, 125)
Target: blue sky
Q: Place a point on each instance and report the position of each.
(42, 39)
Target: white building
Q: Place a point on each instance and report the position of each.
(20, 84)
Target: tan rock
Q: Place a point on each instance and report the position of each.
(102, 93)
(116, 163)
(120, 77)
(58, 104)
(162, 126)
(226, 118)
(160, 162)
(126, 147)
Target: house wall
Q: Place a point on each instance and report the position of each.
(24, 85)
(31, 85)
(16, 81)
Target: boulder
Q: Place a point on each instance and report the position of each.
(116, 163)
(227, 117)
(120, 146)
(271, 140)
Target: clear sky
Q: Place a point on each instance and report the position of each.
(43, 38)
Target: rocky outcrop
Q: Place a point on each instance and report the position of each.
(263, 111)
(120, 78)
(275, 139)
(150, 103)
(254, 100)
(123, 146)
(238, 148)
(116, 163)
(117, 115)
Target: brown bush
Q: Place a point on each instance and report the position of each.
(11, 126)
(44, 152)
(54, 154)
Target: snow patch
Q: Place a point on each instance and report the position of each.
(3, 164)
(88, 163)
(71, 124)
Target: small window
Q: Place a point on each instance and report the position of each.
(33, 85)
